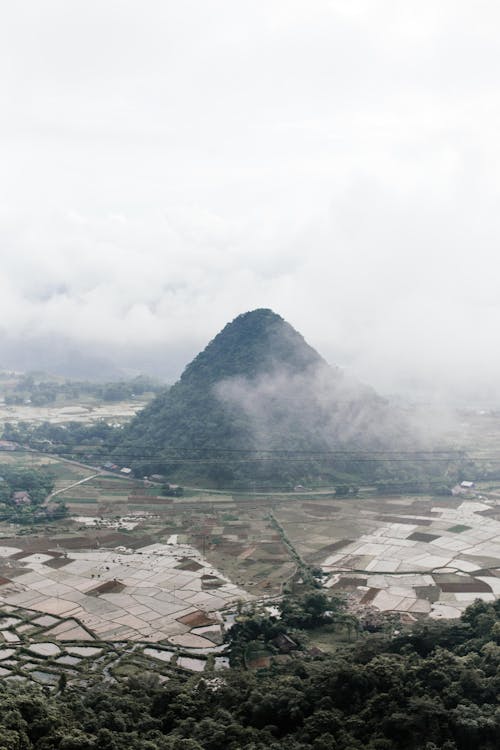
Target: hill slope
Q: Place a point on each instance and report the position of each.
(259, 387)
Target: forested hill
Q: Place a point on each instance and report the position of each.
(258, 386)
(254, 343)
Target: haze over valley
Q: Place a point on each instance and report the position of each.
(249, 381)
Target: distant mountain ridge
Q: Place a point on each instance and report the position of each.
(258, 386)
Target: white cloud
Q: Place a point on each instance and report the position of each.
(168, 165)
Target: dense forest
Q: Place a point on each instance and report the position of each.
(435, 687)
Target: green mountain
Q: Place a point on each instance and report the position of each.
(260, 407)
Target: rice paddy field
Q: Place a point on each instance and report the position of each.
(83, 411)
(142, 582)
(42, 649)
(415, 555)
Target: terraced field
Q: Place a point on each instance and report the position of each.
(45, 649)
(154, 593)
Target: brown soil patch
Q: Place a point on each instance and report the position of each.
(3, 581)
(469, 587)
(416, 508)
(315, 509)
(196, 619)
(405, 519)
(75, 542)
(57, 562)
(211, 582)
(348, 583)
(487, 572)
(369, 596)
(15, 572)
(334, 546)
(29, 544)
(108, 587)
(420, 536)
(125, 540)
(424, 508)
(490, 513)
(187, 564)
(20, 555)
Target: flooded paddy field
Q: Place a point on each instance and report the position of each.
(44, 659)
(135, 581)
(146, 594)
(235, 534)
(418, 554)
(412, 555)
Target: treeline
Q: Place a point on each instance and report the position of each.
(39, 392)
(38, 484)
(71, 438)
(434, 688)
(22, 496)
(259, 632)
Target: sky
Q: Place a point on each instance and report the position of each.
(168, 165)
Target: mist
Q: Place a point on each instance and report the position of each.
(317, 406)
(168, 166)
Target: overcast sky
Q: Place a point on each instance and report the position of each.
(168, 164)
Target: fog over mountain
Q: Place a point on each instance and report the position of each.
(259, 404)
(166, 165)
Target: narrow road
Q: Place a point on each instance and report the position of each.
(70, 486)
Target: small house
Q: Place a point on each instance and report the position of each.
(284, 643)
(21, 498)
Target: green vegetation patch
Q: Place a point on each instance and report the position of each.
(420, 536)
(459, 528)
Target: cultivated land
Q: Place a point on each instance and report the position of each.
(146, 581)
(154, 593)
(117, 413)
(416, 554)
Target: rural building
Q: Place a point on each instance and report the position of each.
(467, 485)
(284, 643)
(21, 498)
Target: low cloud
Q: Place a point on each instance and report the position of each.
(168, 166)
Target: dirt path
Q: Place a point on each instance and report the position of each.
(75, 484)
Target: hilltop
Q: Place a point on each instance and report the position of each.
(259, 387)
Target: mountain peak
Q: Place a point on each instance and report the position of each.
(258, 386)
(255, 342)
